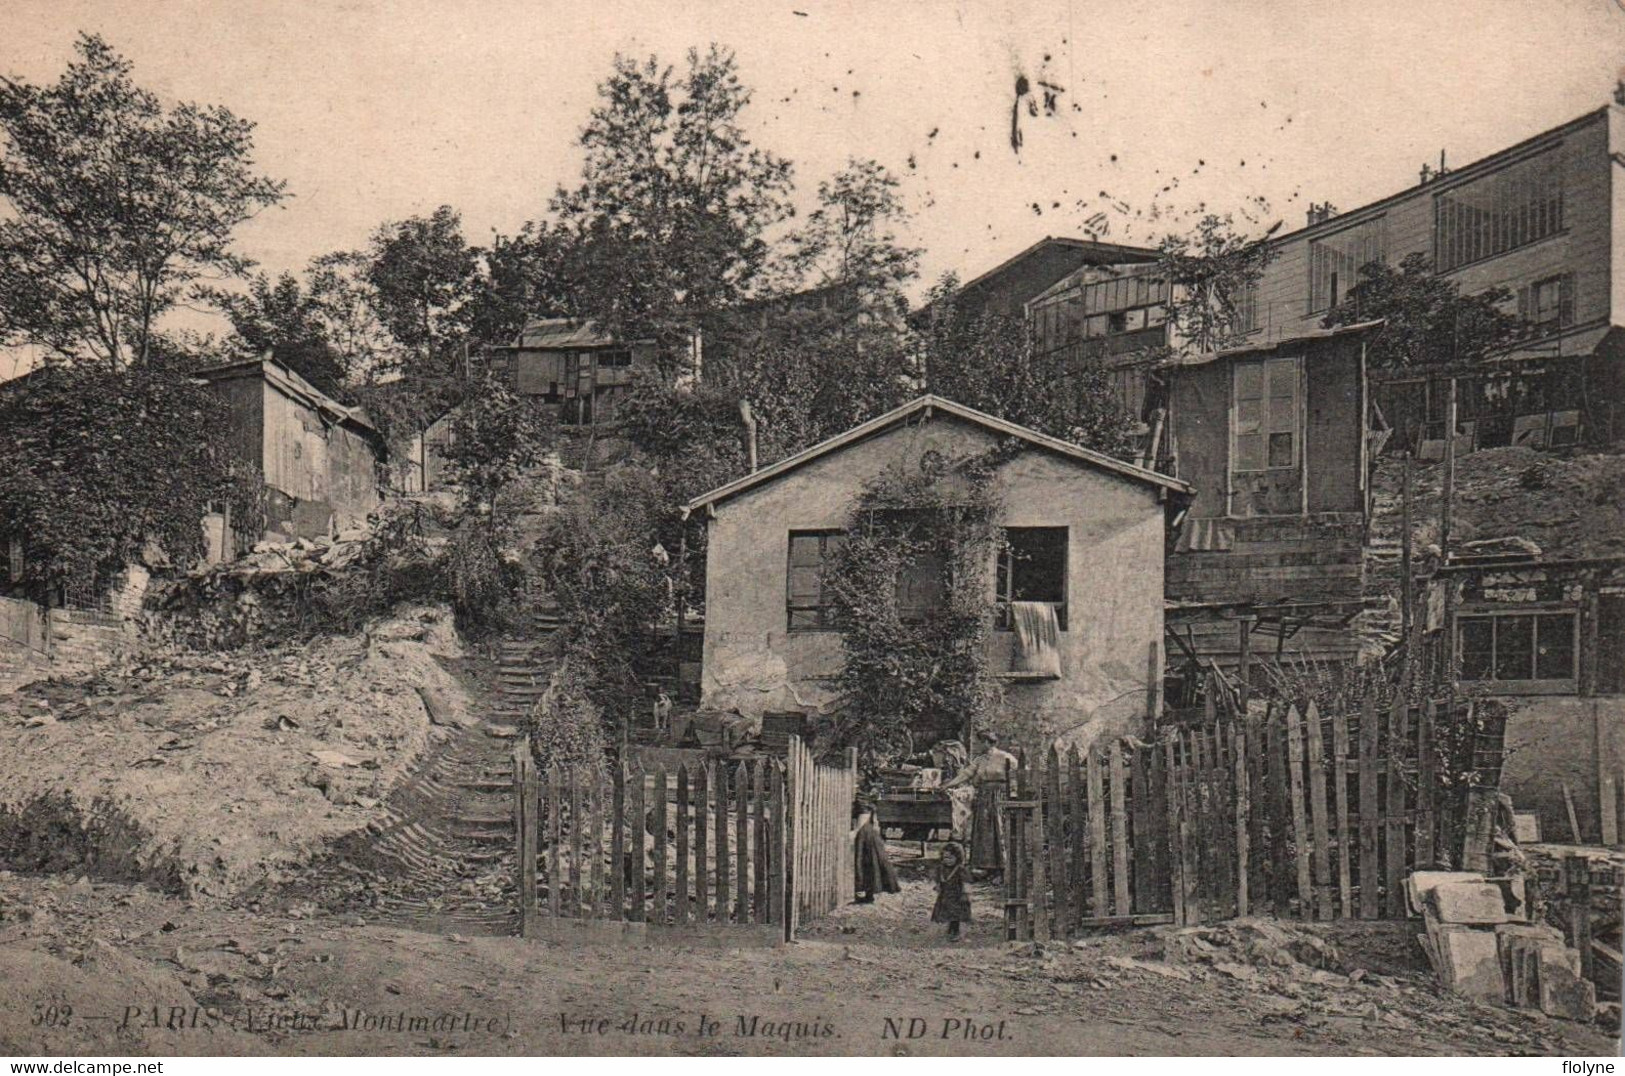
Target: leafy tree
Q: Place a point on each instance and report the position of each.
(669, 218)
(1214, 271)
(285, 319)
(524, 275)
(495, 437)
(597, 554)
(99, 462)
(850, 241)
(1427, 321)
(116, 207)
(988, 361)
(423, 272)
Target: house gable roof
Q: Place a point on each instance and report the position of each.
(290, 384)
(927, 405)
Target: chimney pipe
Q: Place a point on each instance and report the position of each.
(750, 432)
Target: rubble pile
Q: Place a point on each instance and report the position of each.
(234, 766)
(1482, 944)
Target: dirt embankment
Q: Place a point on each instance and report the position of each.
(207, 773)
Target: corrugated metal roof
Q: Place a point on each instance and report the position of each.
(1307, 336)
(563, 333)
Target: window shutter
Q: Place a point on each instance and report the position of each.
(1523, 303)
(1565, 299)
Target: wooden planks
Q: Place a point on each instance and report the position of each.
(1220, 820)
(696, 851)
(1340, 788)
(1243, 819)
(1395, 818)
(1144, 847)
(683, 912)
(1097, 835)
(1368, 808)
(1318, 826)
(1120, 880)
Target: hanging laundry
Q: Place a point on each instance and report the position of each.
(1038, 638)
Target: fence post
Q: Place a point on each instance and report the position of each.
(792, 846)
(1243, 816)
(1398, 739)
(850, 791)
(1176, 863)
(1577, 887)
(1340, 779)
(684, 912)
(1317, 818)
(1120, 886)
(617, 844)
(1369, 809)
(525, 796)
(1300, 830)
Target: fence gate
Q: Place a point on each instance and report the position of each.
(821, 809)
(691, 857)
(728, 853)
(1288, 813)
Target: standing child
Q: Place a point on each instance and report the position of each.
(953, 903)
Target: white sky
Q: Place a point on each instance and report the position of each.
(376, 111)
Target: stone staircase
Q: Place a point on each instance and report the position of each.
(445, 846)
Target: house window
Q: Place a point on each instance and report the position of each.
(1501, 212)
(1517, 647)
(1266, 415)
(1335, 261)
(809, 605)
(1548, 305)
(616, 357)
(1032, 568)
(1610, 644)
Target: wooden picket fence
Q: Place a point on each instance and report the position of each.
(701, 855)
(821, 849)
(1288, 814)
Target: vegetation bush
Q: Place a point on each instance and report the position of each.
(566, 726)
(908, 672)
(100, 462)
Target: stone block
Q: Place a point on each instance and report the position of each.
(1563, 992)
(1472, 962)
(1421, 883)
(1469, 903)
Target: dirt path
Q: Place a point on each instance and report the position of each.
(853, 987)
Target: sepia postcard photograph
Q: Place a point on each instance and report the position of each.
(956, 528)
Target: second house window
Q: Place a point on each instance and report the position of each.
(1032, 568)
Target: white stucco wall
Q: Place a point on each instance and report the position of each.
(1114, 583)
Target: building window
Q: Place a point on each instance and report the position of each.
(1246, 310)
(809, 605)
(1610, 664)
(1032, 568)
(1335, 261)
(1548, 305)
(616, 357)
(1266, 415)
(1501, 212)
(1517, 647)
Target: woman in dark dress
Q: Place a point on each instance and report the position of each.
(872, 870)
